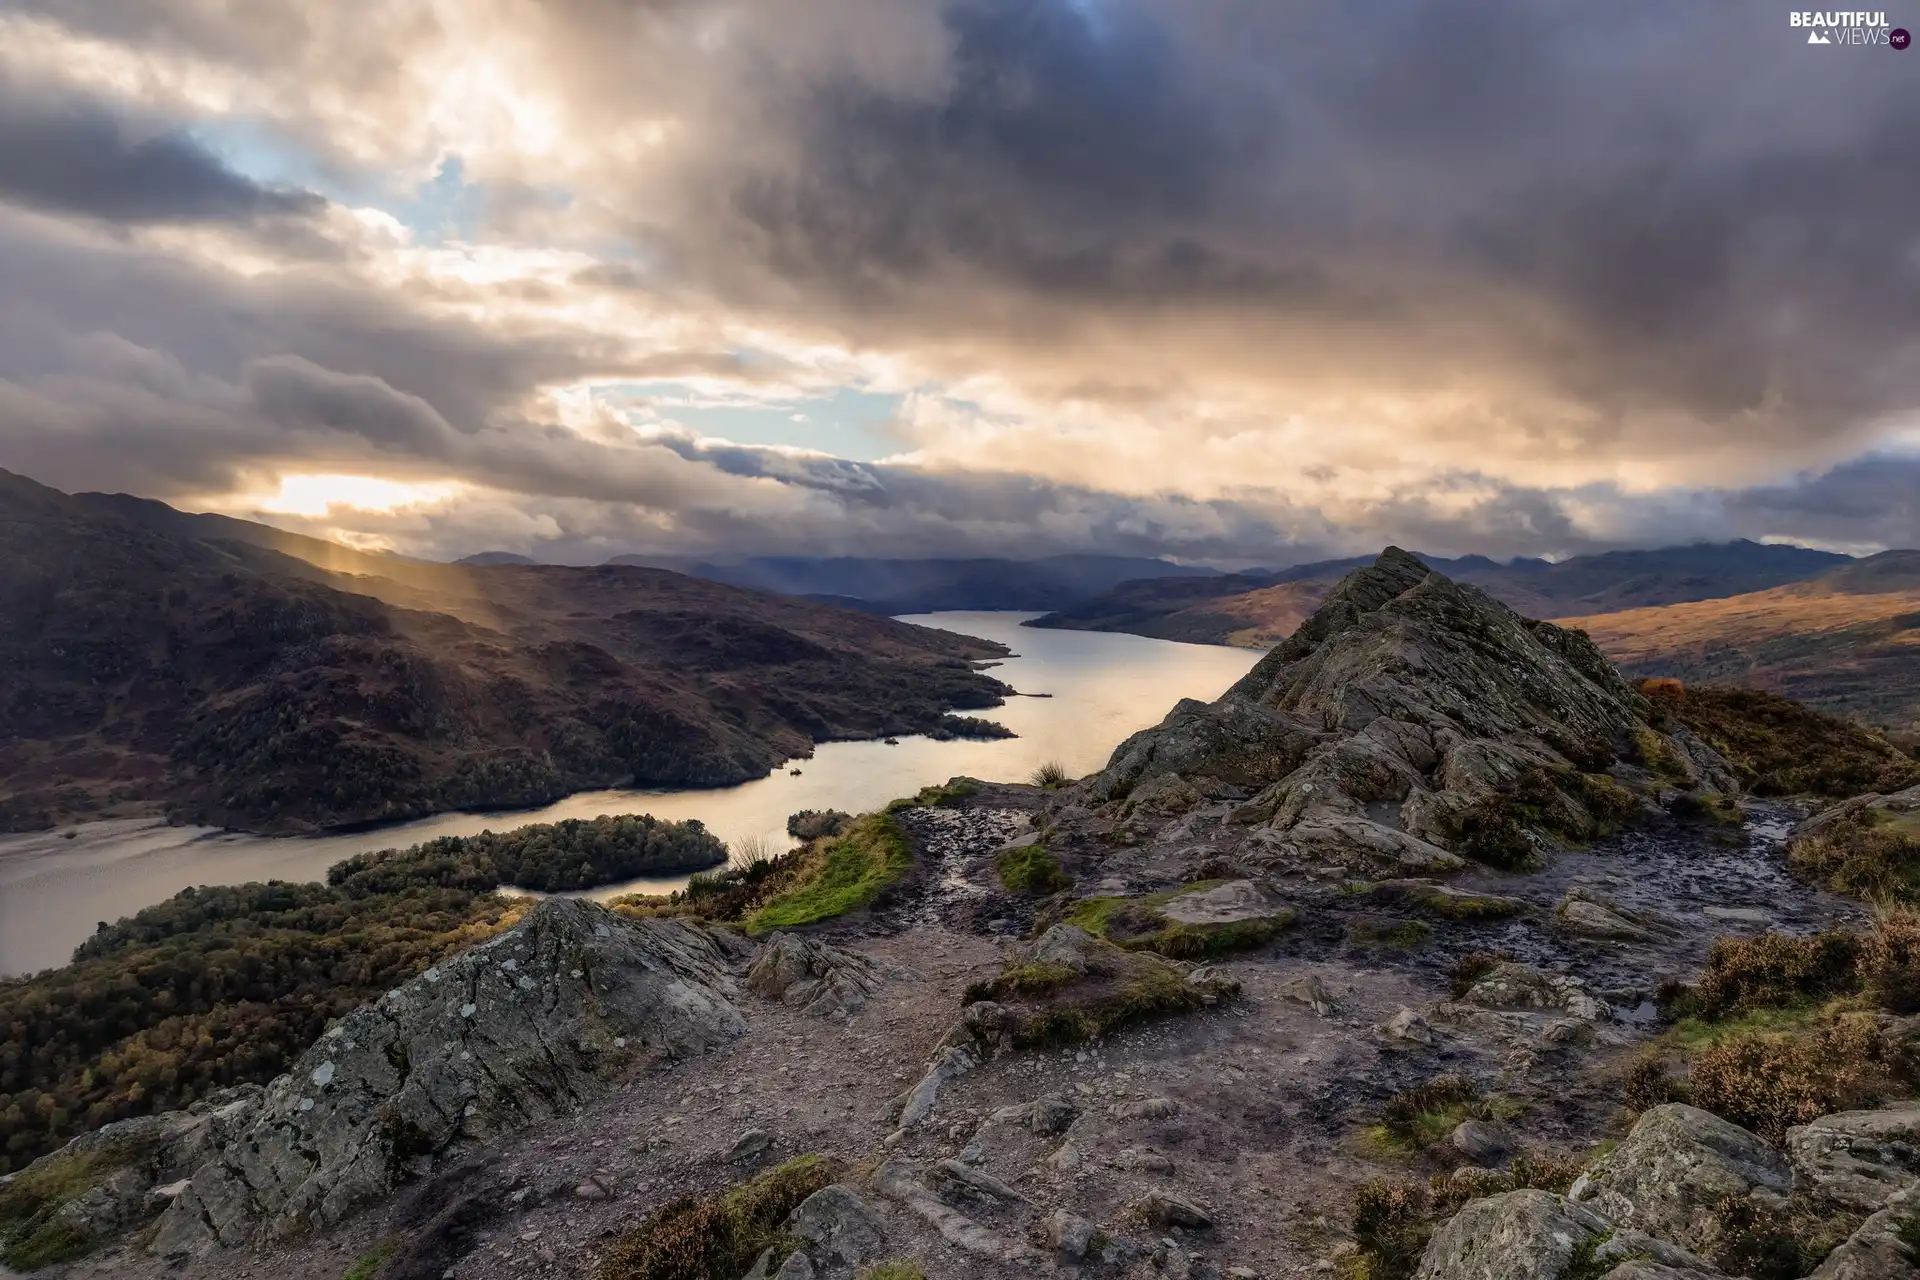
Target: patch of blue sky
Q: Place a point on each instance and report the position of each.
(847, 422)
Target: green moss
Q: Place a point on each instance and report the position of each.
(32, 1234)
(1030, 869)
(894, 1271)
(1693, 1034)
(1389, 933)
(947, 793)
(368, 1264)
(1421, 1117)
(1140, 924)
(1157, 992)
(1657, 754)
(1432, 900)
(721, 1235)
(851, 871)
(1022, 979)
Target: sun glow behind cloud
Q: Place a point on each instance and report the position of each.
(325, 495)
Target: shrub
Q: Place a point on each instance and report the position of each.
(1051, 774)
(1865, 853)
(1650, 1084)
(719, 1236)
(811, 824)
(1779, 747)
(1776, 969)
(1890, 961)
(1779, 1241)
(1393, 1219)
(1030, 869)
(1768, 1082)
(1417, 1118)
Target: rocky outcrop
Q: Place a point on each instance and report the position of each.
(1675, 1171)
(1585, 914)
(1881, 1248)
(513, 1031)
(813, 976)
(1868, 811)
(1412, 720)
(1542, 1236)
(1512, 985)
(1860, 1159)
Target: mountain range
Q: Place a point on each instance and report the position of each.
(227, 672)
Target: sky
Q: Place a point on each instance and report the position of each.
(1237, 281)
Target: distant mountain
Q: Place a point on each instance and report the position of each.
(496, 557)
(1246, 609)
(924, 586)
(1847, 641)
(221, 671)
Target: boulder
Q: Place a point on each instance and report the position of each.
(1045, 1116)
(516, 1030)
(1313, 993)
(1512, 985)
(1860, 1159)
(814, 977)
(1676, 1166)
(1228, 903)
(1068, 1233)
(1164, 1209)
(1482, 1141)
(839, 1227)
(1586, 914)
(1541, 1236)
(1533, 1234)
(1880, 1248)
(1408, 1028)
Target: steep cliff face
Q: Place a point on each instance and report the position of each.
(1413, 720)
(512, 1032)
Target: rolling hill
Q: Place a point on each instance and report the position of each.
(220, 671)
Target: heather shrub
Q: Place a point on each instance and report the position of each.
(1770, 1082)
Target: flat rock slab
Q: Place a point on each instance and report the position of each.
(1227, 903)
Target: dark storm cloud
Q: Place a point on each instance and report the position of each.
(62, 152)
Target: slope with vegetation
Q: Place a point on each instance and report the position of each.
(227, 673)
(222, 986)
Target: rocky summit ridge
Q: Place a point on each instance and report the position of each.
(1357, 971)
(1409, 721)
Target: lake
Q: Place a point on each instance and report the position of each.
(55, 886)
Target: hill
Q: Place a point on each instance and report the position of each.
(228, 673)
(1244, 609)
(923, 586)
(1846, 642)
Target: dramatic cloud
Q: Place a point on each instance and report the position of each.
(1227, 279)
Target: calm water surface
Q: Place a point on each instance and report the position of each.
(54, 887)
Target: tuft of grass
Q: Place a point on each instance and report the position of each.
(1865, 853)
(939, 796)
(1159, 991)
(695, 1239)
(368, 1264)
(32, 1234)
(1393, 1219)
(1030, 979)
(1423, 1116)
(894, 1271)
(1051, 774)
(1779, 1241)
(1031, 870)
(1389, 933)
(848, 873)
(751, 851)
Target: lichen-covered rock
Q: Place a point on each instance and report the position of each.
(1228, 903)
(1860, 1159)
(1410, 720)
(1671, 1175)
(839, 1227)
(1533, 1234)
(1512, 985)
(813, 976)
(1537, 1235)
(1881, 1248)
(513, 1031)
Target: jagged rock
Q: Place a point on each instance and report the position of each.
(1142, 1160)
(1068, 1233)
(1045, 1115)
(1407, 1027)
(955, 1177)
(1674, 1170)
(1880, 1248)
(1586, 914)
(1165, 1209)
(814, 977)
(1512, 985)
(1068, 947)
(839, 1227)
(1313, 993)
(798, 1266)
(949, 1062)
(749, 1146)
(502, 1035)
(1405, 701)
(1481, 1141)
(145, 1161)
(1067, 1158)
(1859, 1158)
